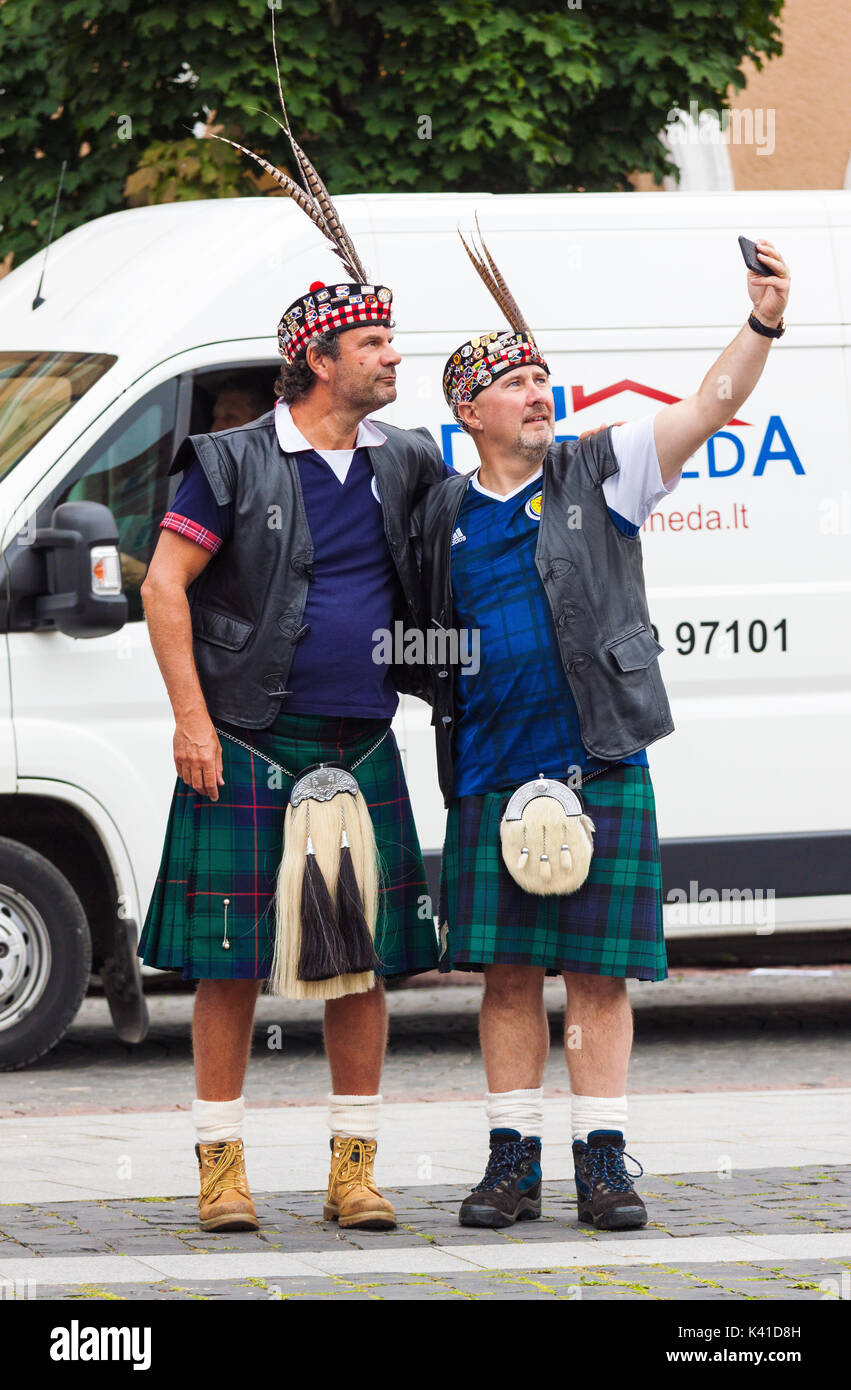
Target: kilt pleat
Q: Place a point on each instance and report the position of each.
(612, 925)
(231, 848)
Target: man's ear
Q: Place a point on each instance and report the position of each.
(470, 416)
(317, 362)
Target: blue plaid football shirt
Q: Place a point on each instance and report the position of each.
(516, 715)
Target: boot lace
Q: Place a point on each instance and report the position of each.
(228, 1171)
(503, 1160)
(354, 1165)
(606, 1165)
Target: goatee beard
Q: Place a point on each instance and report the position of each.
(531, 451)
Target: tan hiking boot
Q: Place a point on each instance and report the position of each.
(225, 1202)
(353, 1198)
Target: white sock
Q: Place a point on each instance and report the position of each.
(520, 1110)
(218, 1119)
(597, 1112)
(354, 1117)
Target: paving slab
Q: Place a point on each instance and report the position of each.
(710, 1283)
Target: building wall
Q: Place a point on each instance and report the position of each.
(798, 107)
(809, 90)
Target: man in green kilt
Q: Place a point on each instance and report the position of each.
(551, 861)
(285, 551)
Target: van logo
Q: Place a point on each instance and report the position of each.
(581, 401)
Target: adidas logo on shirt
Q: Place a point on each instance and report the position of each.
(458, 536)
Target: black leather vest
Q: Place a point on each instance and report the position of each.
(247, 605)
(594, 580)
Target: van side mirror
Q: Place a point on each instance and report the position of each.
(83, 570)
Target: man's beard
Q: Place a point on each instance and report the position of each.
(533, 451)
(365, 395)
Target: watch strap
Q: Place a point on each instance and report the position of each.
(763, 328)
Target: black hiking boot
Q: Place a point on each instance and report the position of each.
(604, 1189)
(511, 1188)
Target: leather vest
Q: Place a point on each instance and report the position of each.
(248, 603)
(594, 581)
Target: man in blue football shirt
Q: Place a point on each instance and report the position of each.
(538, 553)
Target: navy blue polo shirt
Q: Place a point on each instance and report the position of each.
(352, 594)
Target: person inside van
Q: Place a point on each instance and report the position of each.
(551, 860)
(238, 403)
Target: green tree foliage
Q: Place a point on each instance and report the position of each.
(414, 95)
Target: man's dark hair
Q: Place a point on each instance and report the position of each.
(296, 378)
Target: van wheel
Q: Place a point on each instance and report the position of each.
(45, 955)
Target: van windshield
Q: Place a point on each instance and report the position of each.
(36, 389)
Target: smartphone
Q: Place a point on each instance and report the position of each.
(748, 249)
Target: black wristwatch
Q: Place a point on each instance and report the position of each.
(763, 328)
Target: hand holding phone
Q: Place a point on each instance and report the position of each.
(768, 280)
(748, 249)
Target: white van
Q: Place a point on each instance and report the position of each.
(145, 314)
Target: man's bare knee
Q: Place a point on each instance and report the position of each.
(224, 994)
(513, 984)
(594, 988)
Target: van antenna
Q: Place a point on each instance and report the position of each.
(38, 299)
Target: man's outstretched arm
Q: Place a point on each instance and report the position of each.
(681, 428)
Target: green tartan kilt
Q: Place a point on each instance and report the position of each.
(612, 925)
(231, 848)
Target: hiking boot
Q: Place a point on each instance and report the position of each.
(353, 1198)
(225, 1202)
(511, 1188)
(604, 1189)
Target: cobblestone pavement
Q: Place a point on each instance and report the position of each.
(804, 1279)
(747, 1231)
(697, 1030)
(769, 1203)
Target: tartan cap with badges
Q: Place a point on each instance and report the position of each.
(475, 364)
(323, 307)
(328, 307)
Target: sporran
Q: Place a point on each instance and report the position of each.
(546, 838)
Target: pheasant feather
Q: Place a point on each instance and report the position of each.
(517, 319)
(302, 200)
(316, 187)
(489, 274)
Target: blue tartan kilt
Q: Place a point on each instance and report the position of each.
(612, 925)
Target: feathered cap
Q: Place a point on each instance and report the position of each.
(326, 307)
(323, 307)
(473, 366)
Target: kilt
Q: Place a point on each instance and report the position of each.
(232, 848)
(612, 925)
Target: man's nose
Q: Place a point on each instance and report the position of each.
(390, 357)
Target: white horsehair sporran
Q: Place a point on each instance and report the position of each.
(326, 898)
(546, 837)
(327, 895)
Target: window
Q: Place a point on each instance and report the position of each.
(231, 396)
(127, 471)
(36, 389)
